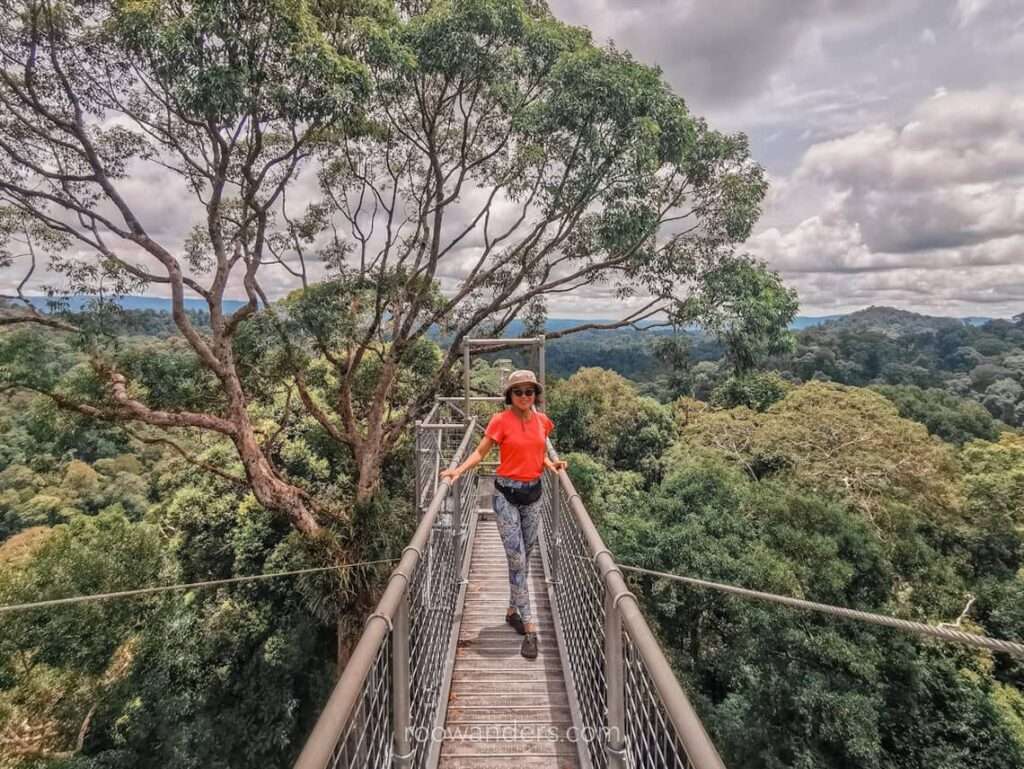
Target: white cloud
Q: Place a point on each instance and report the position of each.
(927, 215)
(968, 10)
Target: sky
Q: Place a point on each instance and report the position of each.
(892, 134)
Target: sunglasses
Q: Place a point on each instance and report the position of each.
(521, 393)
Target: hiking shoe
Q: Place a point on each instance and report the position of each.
(516, 622)
(529, 647)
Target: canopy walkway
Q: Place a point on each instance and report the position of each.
(436, 679)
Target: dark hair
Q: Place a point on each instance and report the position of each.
(537, 399)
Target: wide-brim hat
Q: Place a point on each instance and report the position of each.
(521, 377)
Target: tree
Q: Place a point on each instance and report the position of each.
(673, 355)
(993, 475)
(1001, 398)
(496, 138)
(225, 102)
(780, 688)
(755, 391)
(983, 376)
(749, 308)
(538, 164)
(56, 665)
(954, 419)
(600, 413)
(839, 440)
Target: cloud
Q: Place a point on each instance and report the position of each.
(927, 214)
(721, 52)
(968, 10)
(949, 177)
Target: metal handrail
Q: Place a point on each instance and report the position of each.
(622, 689)
(635, 671)
(392, 610)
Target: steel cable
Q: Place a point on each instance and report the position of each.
(921, 628)
(187, 586)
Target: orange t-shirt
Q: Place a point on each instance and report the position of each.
(522, 444)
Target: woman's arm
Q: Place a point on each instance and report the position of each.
(479, 455)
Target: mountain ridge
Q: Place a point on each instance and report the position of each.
(868, 316)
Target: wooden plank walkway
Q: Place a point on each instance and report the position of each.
(504, 711)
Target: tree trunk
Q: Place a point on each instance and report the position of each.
(368, 461)
(266, 484)
(273, 493)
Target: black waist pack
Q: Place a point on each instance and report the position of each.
(524, 496)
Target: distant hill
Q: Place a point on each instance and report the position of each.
(159, 304)
(886, 319)
(895, 323)
(155, 303)
(557, 324)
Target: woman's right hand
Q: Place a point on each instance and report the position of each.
(449, 475)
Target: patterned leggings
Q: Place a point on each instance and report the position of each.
(518, 528)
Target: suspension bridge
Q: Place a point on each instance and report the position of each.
(436, 680)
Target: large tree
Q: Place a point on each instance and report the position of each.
(480, 159)
(226, 99)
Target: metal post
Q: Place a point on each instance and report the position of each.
(556, 535)
(456, 499)
(614, 677)
(465, 365)
(417, 466)
(400, 683)
(541, 367)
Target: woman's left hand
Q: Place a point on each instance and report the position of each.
(559, 465)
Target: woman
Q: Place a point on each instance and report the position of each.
(521, 433)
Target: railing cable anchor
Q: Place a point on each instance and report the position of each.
(621, 753)
(619, 596)
(401, 759)
(384, 617)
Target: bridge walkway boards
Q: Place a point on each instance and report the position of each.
(504, 711)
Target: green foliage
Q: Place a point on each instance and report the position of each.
(599, 413)
(781, 688)
(914, 353)
(220, 62)
(97, 554)
(954, 419)
(755, 391)
(993, 481)
(217, 677)
(42, 483)
(309, 332)
(828, 495)
(167, 375)
(748, 307)
(57, 662)
(839, 440)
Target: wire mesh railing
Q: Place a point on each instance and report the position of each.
(631, 709)
(383, 710)
(437, 439)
